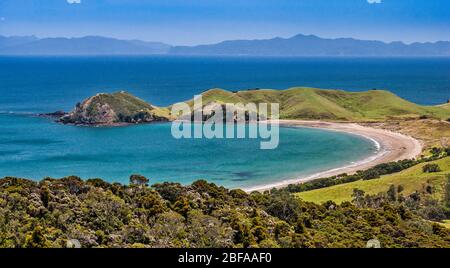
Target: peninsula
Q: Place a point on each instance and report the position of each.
(297, 103)
(114, 109)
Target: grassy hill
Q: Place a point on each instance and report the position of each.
(445, 106)
(335, 105)
(126, 104)
(119, 107)
(412, 179)
(431, 132)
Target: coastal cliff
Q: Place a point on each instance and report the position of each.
(114, 109)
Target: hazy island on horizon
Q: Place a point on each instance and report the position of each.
(298, 45)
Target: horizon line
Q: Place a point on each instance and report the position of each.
(226, 40)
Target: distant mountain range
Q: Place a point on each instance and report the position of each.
(299, 45)
(89, 45)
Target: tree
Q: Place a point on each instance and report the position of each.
(182, 206)
(358, 197)
(45, 196)
(447, 150)
(370, 174)
(139, 180)
(152, 203)
(36, 239)
(431, 168)
(392, 193)
(440, 230)
(285, 206)
(169, 190)
(436, 151)
(260, 233)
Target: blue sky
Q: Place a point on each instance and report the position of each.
(209, 21)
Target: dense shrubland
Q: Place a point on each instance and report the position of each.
(101, 214)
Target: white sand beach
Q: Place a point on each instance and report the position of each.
(392, 147)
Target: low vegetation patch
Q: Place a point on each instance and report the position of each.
(410, 180)
(372, 173)
(431, 168)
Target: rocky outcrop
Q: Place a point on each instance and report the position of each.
(114, 109)
(57, 114)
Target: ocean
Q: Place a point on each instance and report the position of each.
(35, 148)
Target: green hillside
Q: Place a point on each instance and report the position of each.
(445, 106)
(335, 105)
(125, 104)
(121, 102)
(119, 107)
(412, 179)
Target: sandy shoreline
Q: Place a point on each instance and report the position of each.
(392, 147)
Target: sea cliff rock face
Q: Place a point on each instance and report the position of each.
(114, 109)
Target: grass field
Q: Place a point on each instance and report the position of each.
(334, 105)
(431, 132)
(445, 106)
(445, 223)
(125, 104)
(411, 179)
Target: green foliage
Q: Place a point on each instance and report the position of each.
(101, 214)
(36, 239)
(392, 193)
(138, 180)
(409, 180)
(118, 107)
(369, 174)
(284, 206)
(431, 168)
(358, 197)
(440, 230)
(372, 173)
(447, 192)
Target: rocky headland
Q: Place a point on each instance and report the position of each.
(113, 109)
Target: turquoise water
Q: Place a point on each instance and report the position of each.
(35, 148)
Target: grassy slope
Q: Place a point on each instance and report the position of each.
(412, 179)
(337, 105)
(445, 223)
(126, 104)
(122, 102)
(433, 133)
(445, 106)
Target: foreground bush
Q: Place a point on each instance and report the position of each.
(51, 213)
(431, 168)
